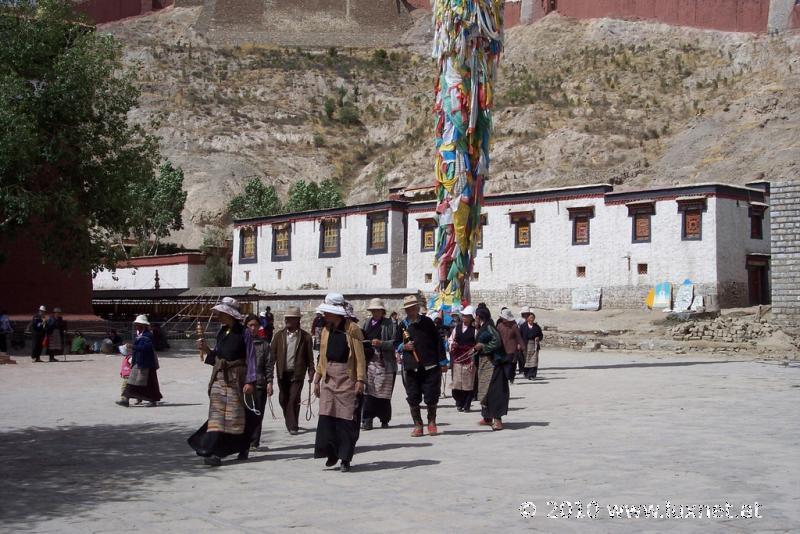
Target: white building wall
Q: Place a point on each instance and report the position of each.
(353, 269)
(170, 276)
(733, 225)
(552, 260)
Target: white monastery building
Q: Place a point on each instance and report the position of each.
(536, 246)
(174, 271)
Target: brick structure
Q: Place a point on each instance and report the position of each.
(725, 15)
(785, 223)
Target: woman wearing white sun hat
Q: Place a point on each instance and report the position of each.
(228, 429)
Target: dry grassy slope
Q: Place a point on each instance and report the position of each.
(630, 103)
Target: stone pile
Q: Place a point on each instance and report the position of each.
(723, 329)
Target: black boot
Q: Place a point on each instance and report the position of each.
(367, 424)
(533, 373)
(331, 461)
(345, 466)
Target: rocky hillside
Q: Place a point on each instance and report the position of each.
(634, 104)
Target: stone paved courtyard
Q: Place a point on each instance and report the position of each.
(613, 428)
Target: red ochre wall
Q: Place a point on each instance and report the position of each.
(794, 22)
(725, 15)
(101, 11)
(26, 283)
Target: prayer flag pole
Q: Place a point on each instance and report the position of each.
(468, 42)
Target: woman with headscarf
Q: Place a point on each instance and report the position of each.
(493, 391)
(233, 379)
(143, 380)
(462, 343)
(339, 383)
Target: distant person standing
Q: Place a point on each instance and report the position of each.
(38, 333)
(269, 324)
(5, 331)
(293, 353)
(56, 335)
(532, 336)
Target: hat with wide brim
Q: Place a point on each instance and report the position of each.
(42, 308)
(292, 311)
(330, 308)
(229, 306)
(506, 315)
(410, 301)
(142, 319)
(525, 311)
(376, 304)
(469, 310)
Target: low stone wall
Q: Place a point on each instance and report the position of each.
(723, 329)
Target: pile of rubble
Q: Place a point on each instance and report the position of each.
(723, 329)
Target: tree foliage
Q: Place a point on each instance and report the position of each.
(257, 200)
(158, 209)
(305, 196)
(72, 167)
(218, 272)
(261, 200)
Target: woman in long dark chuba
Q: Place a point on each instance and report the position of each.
(229, 428)
(493, 390)
(339, 384)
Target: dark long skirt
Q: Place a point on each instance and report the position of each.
(339, 422)
(380, 408)
(495, 404)
(151, 392)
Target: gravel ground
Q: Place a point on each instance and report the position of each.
(611, 428)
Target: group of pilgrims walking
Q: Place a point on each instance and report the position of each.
(354, 373)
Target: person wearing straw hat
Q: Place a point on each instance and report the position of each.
(143, 380)
(462, 342)
(423, 358)
(293, 354)
(339, 383)
(379, 332)
(233, 379)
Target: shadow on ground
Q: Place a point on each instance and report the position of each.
(635, 366)
(384, 465)
(58, 471)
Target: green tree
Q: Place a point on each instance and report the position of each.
(257, 200)
(158, 208)
(303, 196)
(330, 195)
(215, 245)
(70, 162)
